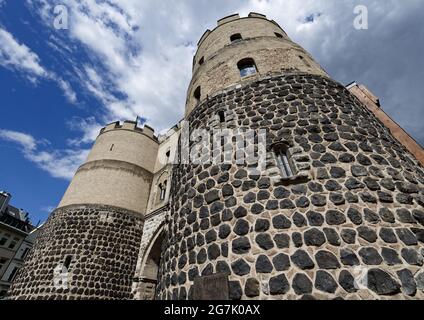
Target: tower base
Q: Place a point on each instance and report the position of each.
(82, 252)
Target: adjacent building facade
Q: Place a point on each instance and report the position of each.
(17, 235)
(308, 190)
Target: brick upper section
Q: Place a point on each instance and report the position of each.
(373, 104)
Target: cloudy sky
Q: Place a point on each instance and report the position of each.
(119, 59)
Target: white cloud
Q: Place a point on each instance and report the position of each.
(48, 209)
(58, 163)
(26, 141)
(139, 69)
(68, 91)
(89, 127)
(17, 56)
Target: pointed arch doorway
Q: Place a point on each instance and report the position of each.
(150, 267)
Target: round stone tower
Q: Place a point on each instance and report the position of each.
(335, 213)
(88, 247)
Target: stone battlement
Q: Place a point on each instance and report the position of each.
(130, 125)
(231, 18)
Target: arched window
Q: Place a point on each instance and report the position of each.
(247, 67)
(278, 35)
(282, 154)
(197, 94)
(236, 37)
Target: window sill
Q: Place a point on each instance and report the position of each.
(249, 77)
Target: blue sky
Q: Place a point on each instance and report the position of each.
(122, 59)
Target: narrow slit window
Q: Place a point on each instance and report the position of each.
(67, 262)
(304, 61)
(283, 160)
(247, 67)
(168, 156)
(162, 190)
(201, 61)
(111, 147)
(197, 95)
(221, 115)
(278, 35)
(236, 38)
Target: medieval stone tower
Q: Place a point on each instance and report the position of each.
(336, 212)
(339, 196)
(88, 247)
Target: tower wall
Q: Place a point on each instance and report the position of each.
(353, 211)
(118, 171)
(88, 247)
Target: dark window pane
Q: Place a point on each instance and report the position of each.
(13, 274)
(236, 37)
(3, 241)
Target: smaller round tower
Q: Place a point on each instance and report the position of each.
(88, 247)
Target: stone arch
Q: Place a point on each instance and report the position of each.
(150, 265)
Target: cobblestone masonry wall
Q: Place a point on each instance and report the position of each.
(103, 242)
(361, 207)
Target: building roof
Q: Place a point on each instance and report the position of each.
(16, 219)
